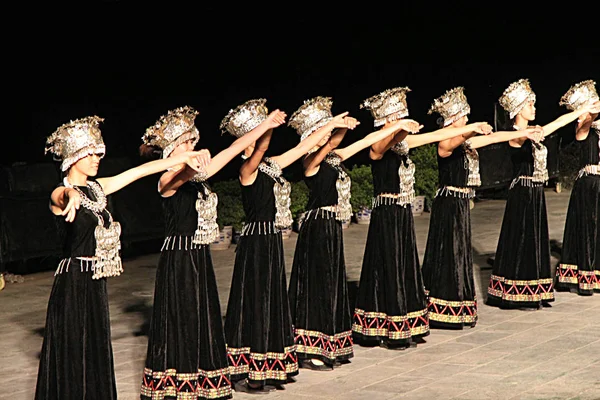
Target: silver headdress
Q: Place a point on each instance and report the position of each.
(388, 105)
(452, 105)
(75, 140)
(245, 117)
(311, 115)
(173, 129)
(579, 95)
(516, 96)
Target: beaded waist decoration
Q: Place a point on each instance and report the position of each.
(325, 212)
(86, 264)
(525, 180)
(590, 169)
(393, 199)
(260, 228)
(460, 192)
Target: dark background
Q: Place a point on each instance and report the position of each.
(132, 62)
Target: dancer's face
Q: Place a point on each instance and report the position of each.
(188, 145)
(528, 112)
(88, 165)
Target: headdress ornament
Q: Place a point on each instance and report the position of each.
(75, 140)
(245, 117)
(580, 94)
(388, 105)
(311, 115)
(173, 129)
(452, 105)
(516, 96)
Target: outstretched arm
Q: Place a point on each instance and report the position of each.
(568, 118)
(446, 147)
(171, 181)
(371, 138)
(250, 166)
(312, 162)
(584, 123)
(313, 139)
(444, 134)
(379, 148)
(196, 160)
(534, 133)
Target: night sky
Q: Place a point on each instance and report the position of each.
(130, 64)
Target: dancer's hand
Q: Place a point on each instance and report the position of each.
(483, 128)
(275, 119)
(409, 125)
(73, 203)
(196, 160)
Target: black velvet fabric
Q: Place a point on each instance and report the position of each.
(76, 361)
(579, 267)
(186, 345)
(258, 324)
(521, 276)
(318, 292)
(391, 304)
(448, 265)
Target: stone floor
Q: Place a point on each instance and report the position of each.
(553, 353)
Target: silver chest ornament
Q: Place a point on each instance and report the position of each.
(540, 157)
(282, 191)
(343, 187)
(108, 239)
(406, 172)
(207, 230)
(472, 164)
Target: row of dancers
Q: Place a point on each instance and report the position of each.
(272, 329)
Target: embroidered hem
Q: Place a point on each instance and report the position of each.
(327, 346)
(395, 327)
(243, 363)
(521, 290)
(584, 279)
(452, 312)
(157, 385)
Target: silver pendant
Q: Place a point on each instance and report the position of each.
(108, 244)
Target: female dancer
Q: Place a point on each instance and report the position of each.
(258, 326)
(391, 306)
(448, 260)
(579, 269)
(521, 276)
(76, 361)
(318, 293)
(186, 345)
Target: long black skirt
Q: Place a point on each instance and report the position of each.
(579, 268)
(391, 305)
(77, 358)
(521, 276)
(448, 265)
(258, 325)
(186, 355)
(318, 291)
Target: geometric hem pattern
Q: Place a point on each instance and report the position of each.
(521, 290)
(452, 311)
(584, 279)
(186, 386)
(373, 323)
(263, 366)
(318, 343)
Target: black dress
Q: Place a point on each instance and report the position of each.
(579, 268)
(258, 325)
(391, 304)
(318, 291)
(521, 276)
(186, 355)
(448, 261)
(76, 361)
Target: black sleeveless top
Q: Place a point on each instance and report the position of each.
(454, 169)
(522, 159)
(385, 172)
(322, 188)
(259, 199)
(79, 239)
(179, 210)
(588, 150)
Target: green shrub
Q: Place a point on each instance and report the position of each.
(426, 171)
(362, 187)
(568, 161)
(298, 197)
(230, 208)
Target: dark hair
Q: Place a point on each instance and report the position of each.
(150, 152)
